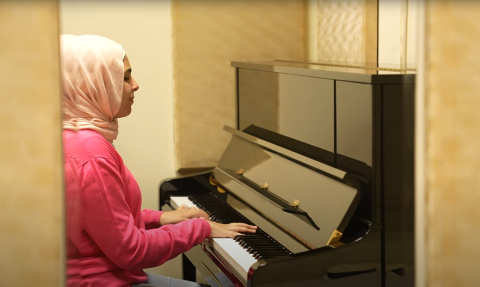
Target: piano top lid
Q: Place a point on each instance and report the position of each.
(307, 199)
(352, 72)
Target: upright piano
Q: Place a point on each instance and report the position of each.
(321, 160)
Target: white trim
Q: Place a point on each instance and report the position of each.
(420, 153)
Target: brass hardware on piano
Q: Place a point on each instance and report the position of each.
(264, 186)
(295, 203)
(240, 172)
(212, 180)
(334, 240)
(220, 189)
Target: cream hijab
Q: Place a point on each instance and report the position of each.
(92, 82)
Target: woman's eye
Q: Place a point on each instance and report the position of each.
(126, 78)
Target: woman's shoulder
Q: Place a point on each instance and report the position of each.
(88, 144)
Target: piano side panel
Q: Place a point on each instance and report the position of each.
(398, 181)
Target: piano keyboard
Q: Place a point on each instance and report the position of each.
(242, 251)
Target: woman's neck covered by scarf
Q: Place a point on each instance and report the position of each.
(92, 82)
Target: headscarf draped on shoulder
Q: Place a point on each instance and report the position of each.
(92, 83)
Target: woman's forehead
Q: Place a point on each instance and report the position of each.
(126, 65)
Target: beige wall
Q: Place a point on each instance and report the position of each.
(208, 35)
(31, 184)
(452, 142)
(145, 140)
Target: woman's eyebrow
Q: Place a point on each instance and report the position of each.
(128, 71)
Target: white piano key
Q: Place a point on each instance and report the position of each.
(177, 201)
(231, 251)
(234, 250)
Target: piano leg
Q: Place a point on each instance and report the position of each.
(189, 271)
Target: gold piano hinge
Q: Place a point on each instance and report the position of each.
(240, 172)
(212, 181)
(219, 189)
(352, 66)
(215, 183)
(264, 186)
(295, 203)
(334, 240)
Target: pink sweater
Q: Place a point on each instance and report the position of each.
(110, 239)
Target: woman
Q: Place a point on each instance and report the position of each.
(110, 239)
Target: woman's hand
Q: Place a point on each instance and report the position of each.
(230, 230)
(181, 214)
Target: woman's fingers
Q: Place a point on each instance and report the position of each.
(230, 230)
(242, 227)
(239, 224)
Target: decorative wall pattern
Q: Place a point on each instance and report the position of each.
(31, 171)
(452, 160)
(347, 31)
(207, 36)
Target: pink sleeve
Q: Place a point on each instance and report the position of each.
(151, 218)
(109, 222)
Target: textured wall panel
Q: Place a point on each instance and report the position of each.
(207, 36)
(31, 188)
(347, 31)
(452, 95)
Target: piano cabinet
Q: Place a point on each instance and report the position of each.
(349, 127)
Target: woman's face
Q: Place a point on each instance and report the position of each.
(129, 87)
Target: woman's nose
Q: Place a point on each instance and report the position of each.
(135, 85)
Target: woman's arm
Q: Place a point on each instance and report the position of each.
(151, 218)
(106, 217)
(155, 219)
(182, 214)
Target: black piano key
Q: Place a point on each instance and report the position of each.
(270, 252)
(239, 237)
(259, 239)
(265, 248)
(255, 238)
(264, 256)
(264, 245)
